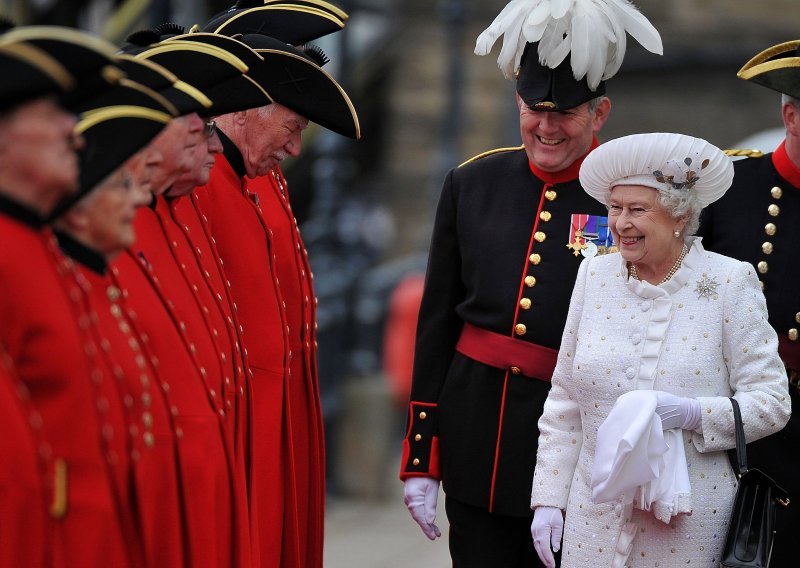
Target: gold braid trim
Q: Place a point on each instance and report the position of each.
(490, 152)
(746, 152)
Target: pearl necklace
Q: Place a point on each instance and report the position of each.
(676, 265)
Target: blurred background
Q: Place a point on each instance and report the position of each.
(426, 103)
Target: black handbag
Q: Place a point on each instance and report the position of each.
(752, 526)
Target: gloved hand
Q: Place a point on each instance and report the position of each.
(547, 529)
(677, 411)
(420, 495)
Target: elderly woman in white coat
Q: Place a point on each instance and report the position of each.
(667, 317)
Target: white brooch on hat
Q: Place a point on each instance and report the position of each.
(593, 31)
(674, 175)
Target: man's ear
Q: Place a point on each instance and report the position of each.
(601, 113)
(240, 117)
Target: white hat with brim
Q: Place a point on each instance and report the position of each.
(667, 162)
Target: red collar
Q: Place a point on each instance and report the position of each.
(568, 174)
(785, 166)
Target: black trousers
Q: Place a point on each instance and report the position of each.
(479, 539)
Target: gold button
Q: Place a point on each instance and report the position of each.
(763, 267)
(520, 329)
(418, 437)
(774, 210)
(550, 195)
(535, 258)
(530, 281)
(423, 415)
(797, 317)
(113, 293)
(767, 248)
(761, 285)
(793, 334)
(539, 236)
(416, 461)
(545, 216)
(776, 192)
(770, 229)
(516, 370)
(525, 303)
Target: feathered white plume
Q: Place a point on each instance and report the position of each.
(593, 31)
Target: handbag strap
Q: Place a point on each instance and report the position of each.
(740, 463)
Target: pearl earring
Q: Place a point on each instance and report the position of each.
(677, 234)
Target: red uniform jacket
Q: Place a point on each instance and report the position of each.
(44, 329)
(22, 505)
(201, 314)
(151, 472)
(264, 259)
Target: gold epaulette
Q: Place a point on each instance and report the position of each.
(490, 152)
(746, 152)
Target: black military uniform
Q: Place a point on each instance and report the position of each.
(758, 221)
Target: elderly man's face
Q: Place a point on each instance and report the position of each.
(38, 143)
(554, 140)
(643, 230)
(176, 143)
(272, 133)
(141, 167)
(202, 162)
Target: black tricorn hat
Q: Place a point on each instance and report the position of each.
(294, 23)
(112, 135)
(297, 82)
(552, 89)
(86, 58)
(199, 64)
(777, 68)
(239, 93)
(184, 97)
(35, 74)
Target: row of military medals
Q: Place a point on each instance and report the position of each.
(589, 236)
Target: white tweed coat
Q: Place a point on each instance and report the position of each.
(622, 334)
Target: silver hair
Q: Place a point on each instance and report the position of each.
(789, 100)
(595, 102)
(679, 205)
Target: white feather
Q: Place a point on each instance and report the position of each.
(592, 31)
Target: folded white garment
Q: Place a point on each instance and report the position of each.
(636, 461)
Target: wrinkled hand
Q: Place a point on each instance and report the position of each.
(420, 495)
(547, 529)
(677, 411)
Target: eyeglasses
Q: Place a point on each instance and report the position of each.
(210, 128)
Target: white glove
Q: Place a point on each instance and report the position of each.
(677, 411)
(420, 495)
(547, 529)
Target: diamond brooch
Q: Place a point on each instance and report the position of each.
(706, 287)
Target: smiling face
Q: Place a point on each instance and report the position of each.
(554, 140)
(644, 230)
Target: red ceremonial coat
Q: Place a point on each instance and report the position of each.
(179, 274)
(152, 468)
(265, 260)
(22, 506)
(44, 327)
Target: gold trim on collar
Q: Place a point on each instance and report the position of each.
(184, 45)
(490, 152)
(96, 116)
(747, 152)
(327, 6)
(42, 61)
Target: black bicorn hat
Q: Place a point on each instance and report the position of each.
(552, 89)
(112, 134)
(43, 60)
(777, 68)
(292, 21)
(295, 80)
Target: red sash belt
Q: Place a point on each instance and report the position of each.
(789, 352)
(508, 353)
